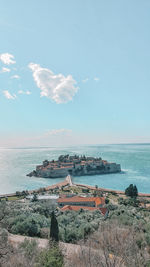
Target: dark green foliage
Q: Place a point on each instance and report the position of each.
(85, 190)
(33, 219)
(106, 201)
(25, 193)
(18, 193)
(131, 191)
(54, 230)
(3, 210)
(148, 238)
(95, 193)
(35, 198)
(111, 207)
(120, 200)
(114, 193)
(129, 216)
(51, 257)
(28, 225)
(25, 217)
(77, 225)
(129, 202)
(139, 243)
(133, 202)
(43, 207)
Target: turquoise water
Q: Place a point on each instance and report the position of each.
(134, 160)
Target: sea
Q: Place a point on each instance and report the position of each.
(15, 163)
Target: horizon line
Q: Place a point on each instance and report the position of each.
(64, 146)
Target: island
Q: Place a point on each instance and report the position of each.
(75, 166)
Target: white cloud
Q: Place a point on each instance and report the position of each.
(15, 77)
(85, 80)
(5, 70)
(96, 79)
(28, 93)
(7, 58)
(21, 92)
(8, 95)
(57, 87)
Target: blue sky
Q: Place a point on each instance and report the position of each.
(74, 72)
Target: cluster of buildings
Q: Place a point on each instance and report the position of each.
(67, 165)
(74, 165)
(76, 203)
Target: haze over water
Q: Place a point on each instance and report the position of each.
(134, 160)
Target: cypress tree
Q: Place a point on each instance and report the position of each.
(131, 191)
(54, 230)
(135, 191)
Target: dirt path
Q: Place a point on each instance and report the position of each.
(68, 249)
(16, 240)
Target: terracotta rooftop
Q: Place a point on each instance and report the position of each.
(97, 200)
(76, 208)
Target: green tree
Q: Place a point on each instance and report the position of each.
(50, 258)
(131, 191)
(54, 230)
(135, 191)
(106, 200)
(35, 198)
(18, 193)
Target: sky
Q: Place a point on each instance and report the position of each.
(74, 72)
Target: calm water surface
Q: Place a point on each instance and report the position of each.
(134, 160)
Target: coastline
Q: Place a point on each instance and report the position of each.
(133, 159)
(68, 182)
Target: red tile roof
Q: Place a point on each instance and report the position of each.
(76, 208)
(77, 199)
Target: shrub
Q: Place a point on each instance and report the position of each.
(71, 235)
(131, 191)
(44, 233)
(112, 207)
(147, 236)
(51, 257)
(77, 225)
(113, 193)
(106, 201)
(28, 225)
(120, 200)
(35, 198)
(129, 202)
(28, 247)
